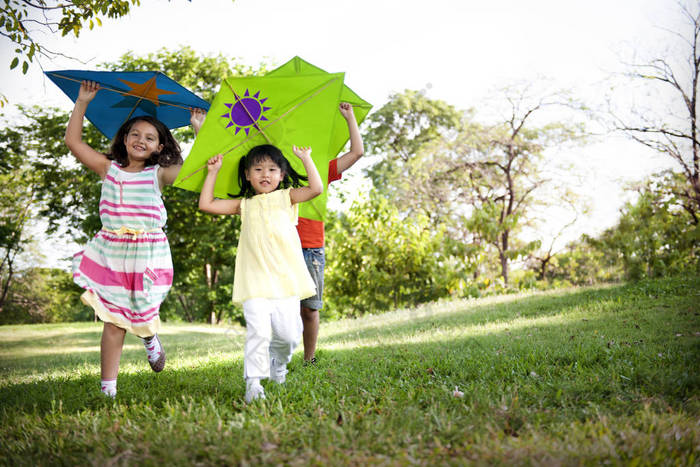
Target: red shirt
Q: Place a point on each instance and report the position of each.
(311, 231)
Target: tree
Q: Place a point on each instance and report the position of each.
(672, 129)
(22, 21)
(42, 295)
(478, 178)
(654, 236)
(585, 262)
(383, 260)
(404, 124)
(542, 259)
(16, 196)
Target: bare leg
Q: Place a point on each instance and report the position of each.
(310, 319)
(111, 350)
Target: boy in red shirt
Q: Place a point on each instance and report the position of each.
(311, 233)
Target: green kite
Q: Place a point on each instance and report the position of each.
(295, 104)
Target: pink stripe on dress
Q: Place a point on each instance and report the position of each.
(144, 317)
(129, 206)
(128, 214)
(131, 281)
(129, 182)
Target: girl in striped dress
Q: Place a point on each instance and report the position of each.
(126, 269)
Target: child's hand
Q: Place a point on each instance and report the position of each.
(88, 90)
(214, 164)
(197, 117)
(302, 151)
(346, 110)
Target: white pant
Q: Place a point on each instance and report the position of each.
(273, 329)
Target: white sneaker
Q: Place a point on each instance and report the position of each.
(253, 391)
(278, 371)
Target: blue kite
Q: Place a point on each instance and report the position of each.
(127, 94)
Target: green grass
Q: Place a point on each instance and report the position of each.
(581, 376)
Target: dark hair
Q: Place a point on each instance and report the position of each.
(169, 155)
(259, 154)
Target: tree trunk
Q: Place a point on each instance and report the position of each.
(502, 256)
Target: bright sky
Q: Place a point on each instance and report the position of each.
(457, 50)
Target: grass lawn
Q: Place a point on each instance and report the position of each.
(579, 376)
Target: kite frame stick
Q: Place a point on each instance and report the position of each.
(123, 93)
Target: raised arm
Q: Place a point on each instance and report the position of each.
(167, 175)
(356, 146)
(207, 203)
(315, 188)
(93, 160)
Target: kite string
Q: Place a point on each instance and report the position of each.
(124, 93)
(294, 107)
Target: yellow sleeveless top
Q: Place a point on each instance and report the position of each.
(269, 261)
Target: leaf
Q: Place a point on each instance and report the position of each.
(14, 63)
(25, 67)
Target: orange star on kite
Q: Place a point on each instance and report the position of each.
(147, 90)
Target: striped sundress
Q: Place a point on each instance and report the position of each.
(126, 268)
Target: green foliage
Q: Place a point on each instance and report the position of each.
(22, 21)
(404, 124)
(65, 194)
(17, 192)
(584, 262)
(379, 259)
(481, 180)
(593, 376)
(42, 295)
(655, 235)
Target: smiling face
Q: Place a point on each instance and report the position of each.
(264, 175)
(142, 141)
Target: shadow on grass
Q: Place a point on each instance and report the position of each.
(553, 365)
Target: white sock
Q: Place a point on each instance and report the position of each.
(152, 348)
(109, 387)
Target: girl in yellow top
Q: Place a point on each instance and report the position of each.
(271, 276)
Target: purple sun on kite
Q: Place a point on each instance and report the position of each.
(246, 111)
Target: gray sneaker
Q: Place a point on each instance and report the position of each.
(158, 364)
(278, 371)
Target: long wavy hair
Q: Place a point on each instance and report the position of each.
(258, 154)
(169, 155)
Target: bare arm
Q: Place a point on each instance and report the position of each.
(167, 175)
(93, 160)
(356, 146)
(207, 203)
(315, 188)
